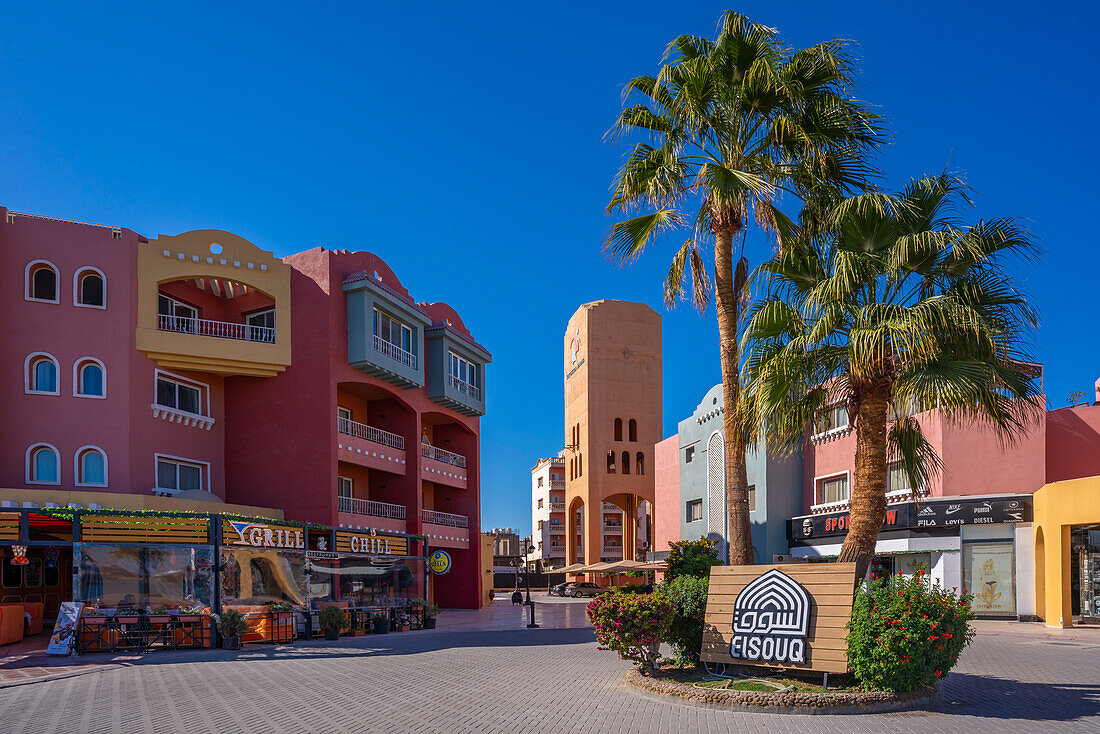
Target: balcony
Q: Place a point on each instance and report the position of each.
(216, 329)
(211, 301)
(371, 296)
(614, 529)
(557, 551)
(449, 385)
(557, 530)
(613, 550)
(368, 446)
(371, 508)
(445, 529)
(442, 466)
(557, 484)
(557, 507)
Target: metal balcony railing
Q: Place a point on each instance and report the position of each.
(394, 352)
(447, 457)
(464, 387)
(369, 433)
(371, 507)
(445, 518)
(218, 329)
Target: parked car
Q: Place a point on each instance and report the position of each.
(558, 590)
(584, 588)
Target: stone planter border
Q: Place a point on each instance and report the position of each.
(848, 702)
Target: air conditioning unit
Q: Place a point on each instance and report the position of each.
(782, 558)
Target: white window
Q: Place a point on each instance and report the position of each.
(89, 378)
(391, 330)
(174, 315)
(40, 375)
(90, 288)
(182, 395)
(41, 284)
(897, 479)
(261, 326)
(43, 464)
(832, 489)
(179, 475)
(344, 487)
(463, 370)
(830, 419)
(91, 467)
(694, 510)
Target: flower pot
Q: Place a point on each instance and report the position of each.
(403, 628)
(429, 623)
(332, 635)
(231, 643)
(380, 625)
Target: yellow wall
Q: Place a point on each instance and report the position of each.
(189, 255)
(118, 501)
(486, 567)
(1058, 506)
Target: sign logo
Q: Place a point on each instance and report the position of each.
(575, 347)
(952, 509)
(265, 536)
(372, 544)
(928, 510)
(771, 618)
(322, 544)
(440, 562)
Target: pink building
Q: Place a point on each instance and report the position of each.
(666, 519)
(200, 369)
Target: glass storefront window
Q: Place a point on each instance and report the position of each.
(254, 577)
(365, 582)
(989, 574)
(140, 578)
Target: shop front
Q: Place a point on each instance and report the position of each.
(1067, 552)
(982, 544)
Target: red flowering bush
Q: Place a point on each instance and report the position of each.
(634, 625)
(906, 634)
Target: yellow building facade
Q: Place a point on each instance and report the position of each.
(1067, 551)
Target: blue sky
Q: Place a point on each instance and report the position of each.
(462, 142)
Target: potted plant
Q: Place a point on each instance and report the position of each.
(231, 625)
(431, 611)
(331, 621)
(379, 624)
(404, 624)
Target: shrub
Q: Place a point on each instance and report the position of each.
(688, 596)
(691, 558)
(332, 618)
(905, 634)
(232, 623)
(633, 625)
(635, 588)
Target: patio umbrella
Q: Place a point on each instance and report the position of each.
(574, 568)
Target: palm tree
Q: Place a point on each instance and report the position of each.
(895, 307)
(730, 125)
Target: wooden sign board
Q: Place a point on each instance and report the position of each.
(790, 616)
(377, 544)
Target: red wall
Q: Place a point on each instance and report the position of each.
(1073, 443)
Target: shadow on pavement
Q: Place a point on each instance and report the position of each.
(998, 698)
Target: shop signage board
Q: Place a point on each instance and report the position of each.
(64, 630)
(375, 544)
(780, 616)
(108, 528)
(262, 535)
(917, 515)
(440, 562)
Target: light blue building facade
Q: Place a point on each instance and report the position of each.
(775, 485)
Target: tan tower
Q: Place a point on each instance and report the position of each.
(612, 422)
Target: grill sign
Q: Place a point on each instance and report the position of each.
(771, 618)
(267, 536)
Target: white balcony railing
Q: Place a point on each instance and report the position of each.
(557, 530)
(357, 506)
(464, 387)
(557, 507)
(557, 484)
(445, 518)
(447, 457)
(609, 528)
(611, 550)
(369, 433)
(394, 352)
(218, 329)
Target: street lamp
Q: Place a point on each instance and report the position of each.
(528, 548)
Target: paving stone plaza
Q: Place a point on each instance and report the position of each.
(485, 672)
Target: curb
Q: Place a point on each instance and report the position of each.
(783, 703)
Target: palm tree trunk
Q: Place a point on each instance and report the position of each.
(869, 490)
(728, 304)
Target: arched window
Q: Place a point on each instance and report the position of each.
(91, 379)
(639, 463)
(610, 462)
(618, 429)
(91, 466)
(42, 281)
(91, 288)
(626, 462)
(42, 465)
(633, 430)
(41, 374)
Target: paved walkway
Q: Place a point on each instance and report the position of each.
(485, 672)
